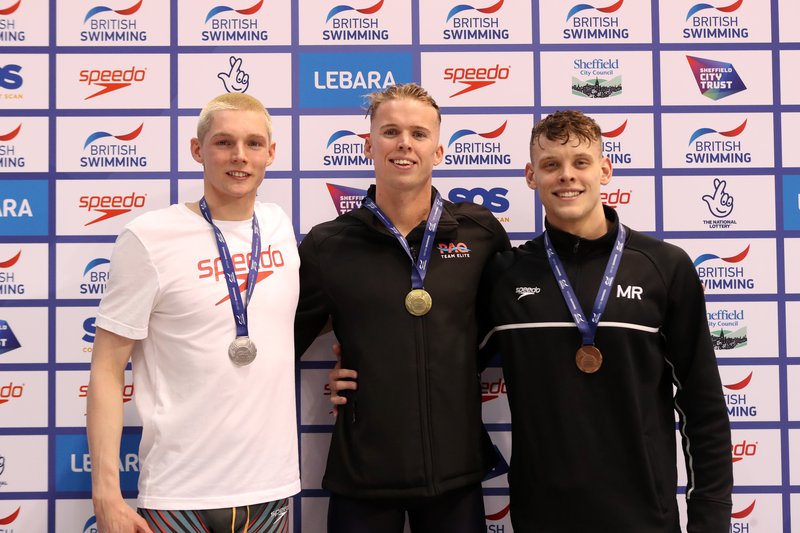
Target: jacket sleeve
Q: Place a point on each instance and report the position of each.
(704, 423)
(313, 307)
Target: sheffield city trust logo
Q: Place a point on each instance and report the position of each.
(364, 11)
(8, 341)
(345, 199)
(102, 9)
(715, 79)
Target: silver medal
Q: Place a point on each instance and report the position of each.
(242, 351)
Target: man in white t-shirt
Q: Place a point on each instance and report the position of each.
(210, 336)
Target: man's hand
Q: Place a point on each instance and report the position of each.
(117, 517)
(340, 379)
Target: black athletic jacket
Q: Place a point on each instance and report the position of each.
(413, 428)
(597, 452)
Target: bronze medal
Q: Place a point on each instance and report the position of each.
(589, 359)
(418, 302)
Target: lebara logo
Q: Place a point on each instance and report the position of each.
(23, 207)
(110, 80)
(475, 78)
(96, 276)
(10, 77)
(235, 79)
(342, 79)
(612, 148)
(717, 24)
(713, 150)
(472, 27)
(715, 79)
(116, 27)
(8, 341)
(791, 201)
(598, 78)
(348, 149)
(111, 154)
(345, 199)
(724, 277)
(241, 27)
(268, 261)
(8, 152)
(477, 152)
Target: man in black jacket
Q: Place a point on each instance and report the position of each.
(398, 278)
(597, 325)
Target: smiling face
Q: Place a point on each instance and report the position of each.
(234, 152)
(404, 144)
(568, 176)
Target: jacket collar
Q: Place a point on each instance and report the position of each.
(568, 243)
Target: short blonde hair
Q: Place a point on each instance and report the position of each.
(398, 91)
(230, 102)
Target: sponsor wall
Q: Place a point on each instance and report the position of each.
(98, 99)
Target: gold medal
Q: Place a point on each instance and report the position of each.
(418, 302)
(589, 359)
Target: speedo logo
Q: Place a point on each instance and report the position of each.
(111, 79)
(526, 291)
(270, 260)
(475, 78)
(111, 206)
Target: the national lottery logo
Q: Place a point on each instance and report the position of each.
(468, 79)
(110, 80)
(8, 31)
(715, 276)
(8, 341)
(720, 204)
(8, 151)
(468, 22)
(235, 79)
(594, 22)
(10, 519)
(95, 275)
(736, 398)
(596, 78)
(110, 205)
(715, 79)
(706, 146)
(350, 23)
(345, 199)
(706, 21)
(613, 148)
(119, 27)
(346, 148)
(469, 150)
(230, 24)
(270, 260)
(103, 152)
(728, 331)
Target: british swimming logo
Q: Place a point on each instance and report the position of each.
(346, 148)
(727, 277)
(705, 21)
(613, 148)
(466, 26)
(359, 25)
(120, 27)
(470, 151)
(706, 146)
(237, 25)
(8, 150)
(111, 154)
(715, 79)
(599, 23)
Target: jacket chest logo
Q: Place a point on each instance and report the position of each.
(453, 250)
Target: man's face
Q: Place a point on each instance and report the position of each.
(404, 144)
(235, 153)
(568, 177)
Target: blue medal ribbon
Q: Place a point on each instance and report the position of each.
(587, 328)
(420, 268)
(239, 307)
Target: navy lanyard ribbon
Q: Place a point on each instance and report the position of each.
(588, 329)
(239, 307)
(420, 269)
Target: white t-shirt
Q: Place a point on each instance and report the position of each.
(214, 434)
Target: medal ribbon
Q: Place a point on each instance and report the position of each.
(420, 269)
(239, 307)
(588, 329)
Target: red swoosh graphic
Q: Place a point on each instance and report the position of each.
(131, 10)
(733, 7)
(11, 262)
(737, 258)
(614, 133)
(243, 286)
(10, 135)
(370, 10)
(611, 9)
(10, 518)
(499, 515)
(492, 9)
(742, 384)
(743, 513)
(9, 10)
(250, 10)
(107, 88)
(736, 131)
(495, 133)
(471, 86)
(107, 213)
(132, 135)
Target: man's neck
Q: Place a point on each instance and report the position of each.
(586, 229)
(406, 209)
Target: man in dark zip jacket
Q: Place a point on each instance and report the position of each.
(597, 325)
(398, 278)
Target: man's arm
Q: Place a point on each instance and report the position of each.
(312, 317)
(110, 356)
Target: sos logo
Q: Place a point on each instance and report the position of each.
(493, 199)
(9, 77)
